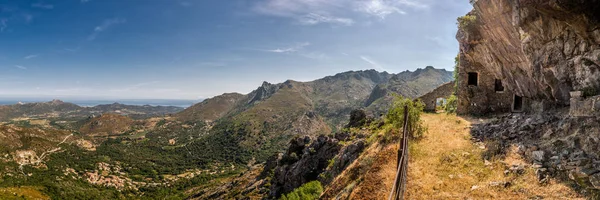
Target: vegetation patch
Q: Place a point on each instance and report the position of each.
(308, 191)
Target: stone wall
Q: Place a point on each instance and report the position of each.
(444, 91)
(584, 107)
(541, 49)
(482, 98)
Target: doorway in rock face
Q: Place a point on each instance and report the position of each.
(440, 104)
(518, 104)
(472, 78)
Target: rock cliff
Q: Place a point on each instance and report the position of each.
(541, 49)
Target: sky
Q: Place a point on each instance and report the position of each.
(195, 49)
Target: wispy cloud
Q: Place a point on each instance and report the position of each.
(105, 25)
(372, 63)
(85, 1)
(379, 8)
(3, 24)
(20, 67)
(309, 12)
(43, 6)
(134, 87)
(31, 56)
(289, 49)
(185, 4)
(336, 12)
(72, 90)
(72, 49)
(313, 18)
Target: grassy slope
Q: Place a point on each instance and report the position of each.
(446, 165)
(22, 193)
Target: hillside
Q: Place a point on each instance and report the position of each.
(105, 150)
(273, 113)
(106, 125)
(60, 109)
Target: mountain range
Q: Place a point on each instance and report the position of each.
(273, 113)
(59, 109)
(129, 152)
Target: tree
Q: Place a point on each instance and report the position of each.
(395, 115)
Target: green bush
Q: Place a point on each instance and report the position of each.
(455, 73)
(451, 104)
(308, 191)
(467, 21)
(395, 116)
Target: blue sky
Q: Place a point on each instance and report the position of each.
(186, 49)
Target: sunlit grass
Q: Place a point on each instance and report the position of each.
(22, 193)
(445, 164)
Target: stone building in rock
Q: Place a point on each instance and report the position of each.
(430, 99)
(527, 55)
(480, 92)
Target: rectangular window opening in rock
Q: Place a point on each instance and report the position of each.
(473, 78)
(498, 86)
(518, 104)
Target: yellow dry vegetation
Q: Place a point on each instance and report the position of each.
(445, 164)
(22, 192)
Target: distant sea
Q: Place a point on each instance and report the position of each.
(90, 103)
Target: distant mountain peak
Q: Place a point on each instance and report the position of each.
(56, 101)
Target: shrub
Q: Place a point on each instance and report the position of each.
(395, 116)
(589, 91)
(467, 22)
(455, 73)
(308, 191)
(451, 104)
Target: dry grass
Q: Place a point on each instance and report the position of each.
(379, 179)
(446, 165)
(22, 192)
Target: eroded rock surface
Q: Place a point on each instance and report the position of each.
(540, 49)
(555, 144)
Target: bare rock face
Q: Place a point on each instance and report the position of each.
(311, 158)
(303, 162)
(541, 49)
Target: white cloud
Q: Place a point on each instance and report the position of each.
(306, 12)
(21, 67)
(314, 55)
(336, 12)
(372, 62)
(105, 25)
(289, 49)
(31, 56)
(43, 6)
(313, 18)
(379, 8)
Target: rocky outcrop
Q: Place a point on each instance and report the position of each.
(540, 49)
(308, 159)
(555, 144)
(304, 160)
(265, 91)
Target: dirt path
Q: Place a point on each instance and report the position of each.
(445, 164)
